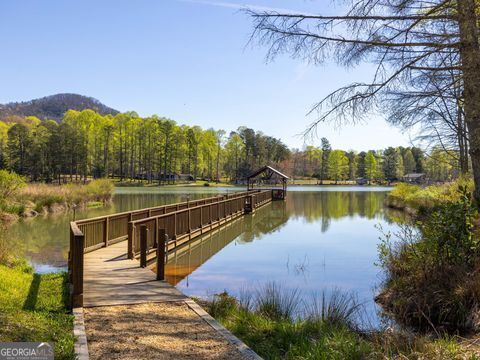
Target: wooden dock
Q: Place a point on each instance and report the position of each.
(107, 278)
(101, 263)
(110, 278)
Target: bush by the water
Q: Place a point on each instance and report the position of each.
(420, 198)
(433, 268)
(10, 186)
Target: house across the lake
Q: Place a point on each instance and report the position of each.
(415, 178)
(169, 176)
(361, 181)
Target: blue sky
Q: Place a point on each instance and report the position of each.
(185, 59)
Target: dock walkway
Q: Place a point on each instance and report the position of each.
(125, 302)
(110, 278)
(124, 310)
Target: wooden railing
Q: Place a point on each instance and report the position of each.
(104, 230)
(179, 222)
(184, 224)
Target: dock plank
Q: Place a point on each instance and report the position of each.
(110, 278)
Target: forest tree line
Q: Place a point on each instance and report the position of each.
(128, 147)
(387, 165)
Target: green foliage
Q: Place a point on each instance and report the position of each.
(40, 197)
(126, 146)
(337, 165)
(327, 329)
(265, 320)
(370, 166)
(432, 272)
(415, 197)
(33, 309)
(100, 190)
(10, 185)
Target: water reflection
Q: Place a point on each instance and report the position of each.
(315, 240)
(44, 240)
(187, 258)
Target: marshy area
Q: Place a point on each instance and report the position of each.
(18, 198)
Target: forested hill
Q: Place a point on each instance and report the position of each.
(53, 107)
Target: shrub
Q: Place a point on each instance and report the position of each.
(423, 199)
(10, 185)
(100, 190)
(432, 270)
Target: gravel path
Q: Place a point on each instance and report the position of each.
(153, 331)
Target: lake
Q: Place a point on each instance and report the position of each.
(320, 238)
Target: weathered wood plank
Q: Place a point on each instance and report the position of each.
(110, 278)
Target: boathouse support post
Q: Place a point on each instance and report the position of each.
(161, 250)
(143, 245)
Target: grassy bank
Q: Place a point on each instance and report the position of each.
(32, 308)
(415, 198)
(276, 324)
(19, 198)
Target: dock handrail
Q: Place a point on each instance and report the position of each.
(180, 221)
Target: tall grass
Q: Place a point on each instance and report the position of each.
(277, 323)
(44, 197)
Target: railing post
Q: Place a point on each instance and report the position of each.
(174, 226)
(155, 234)
(189, 224)
(248, 204)
(130, 240)
(77, 269)
(105, 231)
(70, 257)
(143, 245)
(162, 243)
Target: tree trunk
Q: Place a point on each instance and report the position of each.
(470, 57)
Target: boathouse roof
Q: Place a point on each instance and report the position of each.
(270, 171)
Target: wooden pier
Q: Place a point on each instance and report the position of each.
(102, 260)
(111, 278)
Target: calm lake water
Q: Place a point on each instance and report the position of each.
(319, 239)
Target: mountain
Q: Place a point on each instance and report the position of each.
(53, 107)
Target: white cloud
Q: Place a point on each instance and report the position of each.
(237, 6)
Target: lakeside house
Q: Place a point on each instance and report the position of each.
(419, 178)
(169, 176)
(361, 181)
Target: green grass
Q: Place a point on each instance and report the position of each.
(33, 308)
(266, 320)
(272, 321)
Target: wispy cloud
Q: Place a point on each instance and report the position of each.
(237, 6)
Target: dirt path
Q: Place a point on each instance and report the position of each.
(169, 330)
